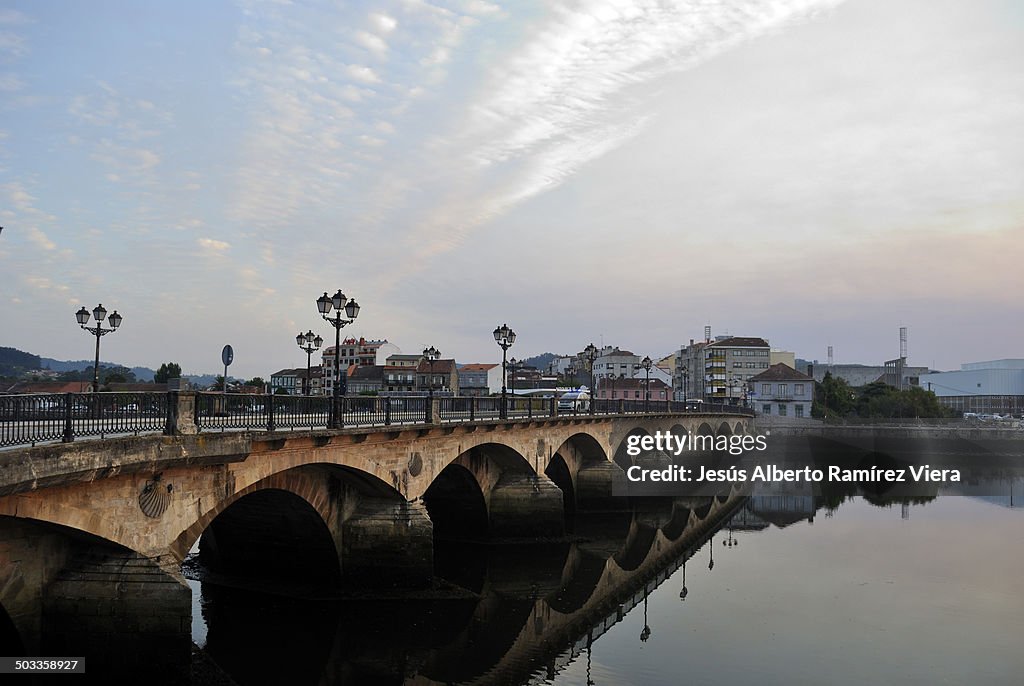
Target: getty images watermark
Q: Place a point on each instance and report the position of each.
(665, 443)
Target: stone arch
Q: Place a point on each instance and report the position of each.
(724, 429)
(577, 453)
(519, 501)
(622, 457)
(456, 506)
(272, 532)
(60, 570)
(317, 483)
(326, 522)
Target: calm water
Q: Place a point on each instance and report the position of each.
(930, 593)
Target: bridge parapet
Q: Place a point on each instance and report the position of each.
(41, 418)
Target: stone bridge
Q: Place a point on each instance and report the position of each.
(359, 506)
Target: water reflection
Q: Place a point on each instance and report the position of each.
(864, 595)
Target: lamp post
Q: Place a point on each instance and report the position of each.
(504, 337)
(646, 364)
(351, 310)
(732, 389)
(99, 313)
(512, 377)
(310, 343)
(431, 354)
(686, 377)
(590, 354)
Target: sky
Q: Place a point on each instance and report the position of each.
(814, 172)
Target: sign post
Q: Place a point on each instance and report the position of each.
(227, 356)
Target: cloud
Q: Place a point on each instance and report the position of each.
(362, 74)
(211, 246)
(372, 42)
(41, 239)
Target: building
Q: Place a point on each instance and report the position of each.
(614, 364)
(355, 352)
(632, 389)
(398, 379)
(862, 374)
(287, 381)
(440, 376)
(992, 387)
(479, 379)
(717, 371)
(366, 379)
(658, 372)
(781, 391)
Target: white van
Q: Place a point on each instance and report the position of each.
(574, 401)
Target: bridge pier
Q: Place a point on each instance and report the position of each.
(525, 505)
(597, 485)
(387, 542)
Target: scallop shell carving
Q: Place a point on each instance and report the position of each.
(155, 498)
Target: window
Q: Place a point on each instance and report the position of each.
(783, 389)
(751, 365)
(766, 389)
(737, 364)
(782, 410)
(798, 389)
(766, 409)
(798, 410)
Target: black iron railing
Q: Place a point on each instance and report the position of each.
(40, 418)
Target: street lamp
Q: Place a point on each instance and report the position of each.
(310, 343)
(504, 337)
(351, 310)
(686, 377)
(100, 313)
(512, 377)
(431, 354)
(590, 354)
(646, 365)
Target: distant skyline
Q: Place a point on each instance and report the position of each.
(814, 172)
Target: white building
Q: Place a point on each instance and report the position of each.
(995, 386)
(615, 364)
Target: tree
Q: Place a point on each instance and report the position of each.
(832, 397)
(168, 370)
(257, 381)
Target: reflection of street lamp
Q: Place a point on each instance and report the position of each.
(730, 541)
(683, 591)
(431, 354)
(646, 633)
(646, 365)
(310, 343)
(590, 354)
(351, 310)
(711, 564)
(504, 337)
(100, 313)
